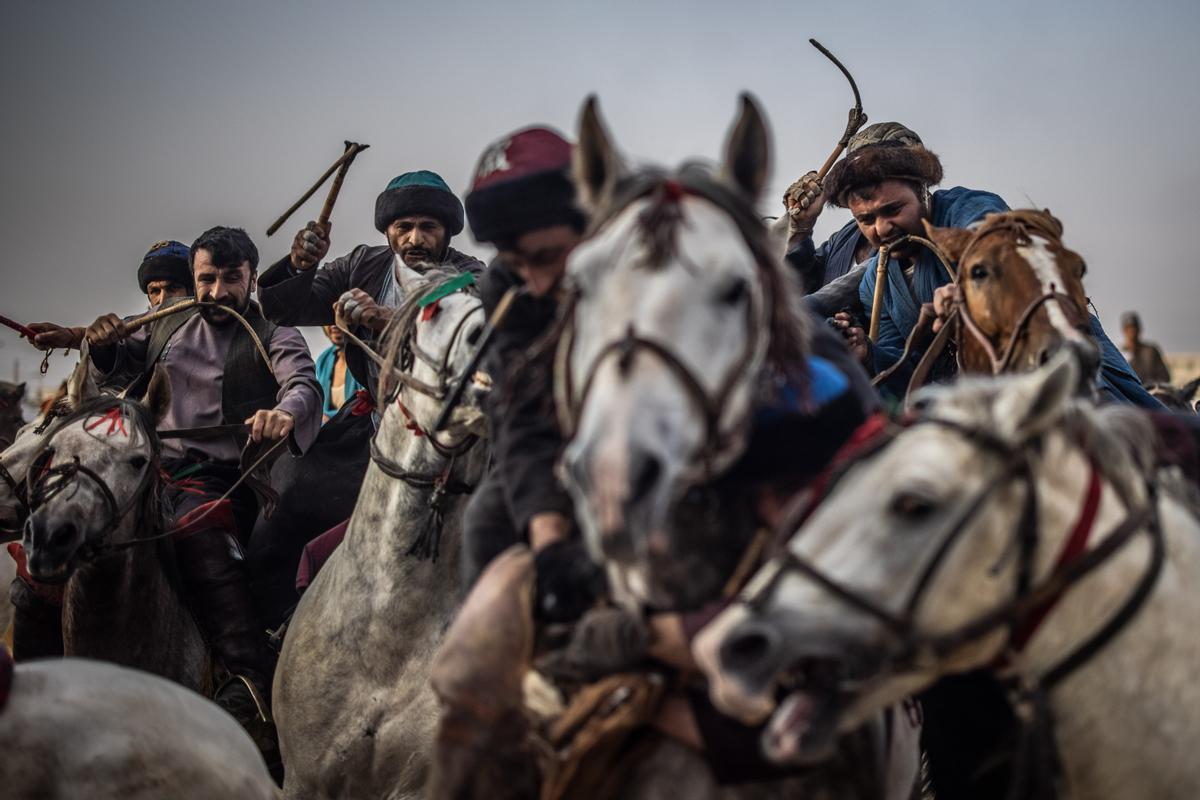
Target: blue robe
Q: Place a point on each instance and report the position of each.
(960, 208)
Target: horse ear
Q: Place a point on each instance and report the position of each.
(158, 395)
(748, 151)
(1029, 405)
(595, 166)
(81, 387)
(952, 241)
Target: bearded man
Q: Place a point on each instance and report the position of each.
(418, 214)
(218, 378)
(885, 180)
(163, 275)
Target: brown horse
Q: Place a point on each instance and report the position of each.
(1021, 296)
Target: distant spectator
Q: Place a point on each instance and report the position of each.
(336, 381)
(1145, 357)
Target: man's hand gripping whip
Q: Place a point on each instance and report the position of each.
(341, 166)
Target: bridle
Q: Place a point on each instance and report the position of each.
(49, 480)
(440, 482)
(1023, 225)
(1029, 601)
(723, 439)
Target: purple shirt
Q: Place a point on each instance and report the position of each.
(194, 359)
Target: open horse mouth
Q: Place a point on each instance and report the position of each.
(814, 694)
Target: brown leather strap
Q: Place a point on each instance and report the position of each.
(929, 358)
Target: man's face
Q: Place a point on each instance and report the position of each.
(888, 211)
(1132, 332)
(539, 256)
(228, 286)
(160, 291)
(417, 239)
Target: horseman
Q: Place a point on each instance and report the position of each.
(163, 275)
(885, 180)
(418, 214)
(522, 201)
(219, 379)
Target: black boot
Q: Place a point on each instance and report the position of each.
(37, 624)
(218, 582)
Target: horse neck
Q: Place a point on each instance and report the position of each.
(123, 607)
(1104, 705)
(391, 514)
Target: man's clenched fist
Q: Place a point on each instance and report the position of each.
(269, 425)
(107, 329)
(310, 246)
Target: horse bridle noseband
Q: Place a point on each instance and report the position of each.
(920, 650)
(720, 445)
(50, 480)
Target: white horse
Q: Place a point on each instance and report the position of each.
(354, 711)
(941, 553)
(682, 313)
(79, 728)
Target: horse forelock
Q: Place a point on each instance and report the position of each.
(658, 224)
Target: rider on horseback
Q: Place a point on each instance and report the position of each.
(163, 275)
(884, 180)
(418, 214)
(522, 200)
(219, 379)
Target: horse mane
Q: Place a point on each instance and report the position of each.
(659, 223)
(395, 336)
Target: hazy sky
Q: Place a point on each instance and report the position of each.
(130, 122)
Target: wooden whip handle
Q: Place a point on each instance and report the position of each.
(877, 301)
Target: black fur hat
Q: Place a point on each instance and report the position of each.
(885, 151)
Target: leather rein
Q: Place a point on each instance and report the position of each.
(1030, 602)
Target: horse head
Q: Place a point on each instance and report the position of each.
(427, 347)
(921, 559)
(28, 440)
(1022, 292)
(93, 480)
(678, 309)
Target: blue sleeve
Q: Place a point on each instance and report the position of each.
(1117, 381)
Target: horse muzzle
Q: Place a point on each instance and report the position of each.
(52, 548)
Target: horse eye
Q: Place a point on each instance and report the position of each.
(734, 293)
(137, 462)
(912, 505)
(473, 335)
(979, 272)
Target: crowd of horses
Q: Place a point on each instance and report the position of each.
(1003, 522)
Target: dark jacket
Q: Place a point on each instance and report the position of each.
(526, 440)
(292, 297)
(827, 273)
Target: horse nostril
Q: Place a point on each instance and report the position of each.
(644, 473)
(748, 647)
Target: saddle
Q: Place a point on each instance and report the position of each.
(496, 707)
